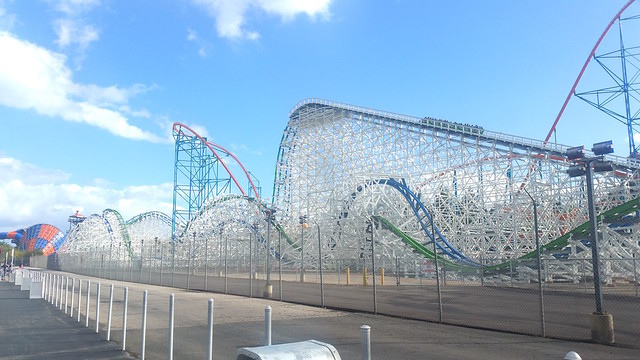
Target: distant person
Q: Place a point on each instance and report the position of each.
(4, 270)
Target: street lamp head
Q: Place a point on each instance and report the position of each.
(602, 148)
(575, 153)
(577, 170)
(602, 166)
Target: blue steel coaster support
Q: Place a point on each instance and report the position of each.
(197, 177)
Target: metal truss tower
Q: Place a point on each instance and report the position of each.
(621, 99)
(197, 176)
(201, 175)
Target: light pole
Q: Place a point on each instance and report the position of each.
(303, 223)
(268, 288)
(601, 323)
(541, 297)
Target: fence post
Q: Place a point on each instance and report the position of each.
(124, 318)
(348, 276)
(365, 341)
(144, 325)
(267, 326)
(397, 273)
(171, 317)
(635, 274)
(210, 331)
(110, 312)
(161, 262)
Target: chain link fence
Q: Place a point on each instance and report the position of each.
(498, 295)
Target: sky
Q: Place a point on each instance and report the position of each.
(89, 89)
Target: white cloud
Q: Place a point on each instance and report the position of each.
(72, 32)
(203, 46)
(6, 20)
(230, 15)
(74, 7)
(35, 78)
(191, 35)
(30, 195)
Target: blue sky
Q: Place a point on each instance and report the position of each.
(89, 88)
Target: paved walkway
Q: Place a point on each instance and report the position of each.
(34, 329)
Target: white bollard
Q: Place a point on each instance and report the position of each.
(210, 331)
(52, 284)
(144, 325)
(86, 306)
(66, 296)
(79, 297)
(45, 283)
(97, 307)
(124, 318)
(171, 317)
(365, 340)
(52, 298)
(73, 291)
(110, 312)
(572, 355)
(267, 326)
(59, 292)
(61, 303)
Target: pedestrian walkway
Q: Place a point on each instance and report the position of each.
(33, 329)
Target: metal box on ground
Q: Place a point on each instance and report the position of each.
(303, 350)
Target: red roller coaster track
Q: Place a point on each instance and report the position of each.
(584, 67)
(177, 128)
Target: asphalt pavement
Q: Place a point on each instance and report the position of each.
(35, 329)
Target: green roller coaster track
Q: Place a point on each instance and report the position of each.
(579, 232)
(123, 230)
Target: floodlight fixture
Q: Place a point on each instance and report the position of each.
(575, 153)
(577, 170)
(602, 148)
(602, 166)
